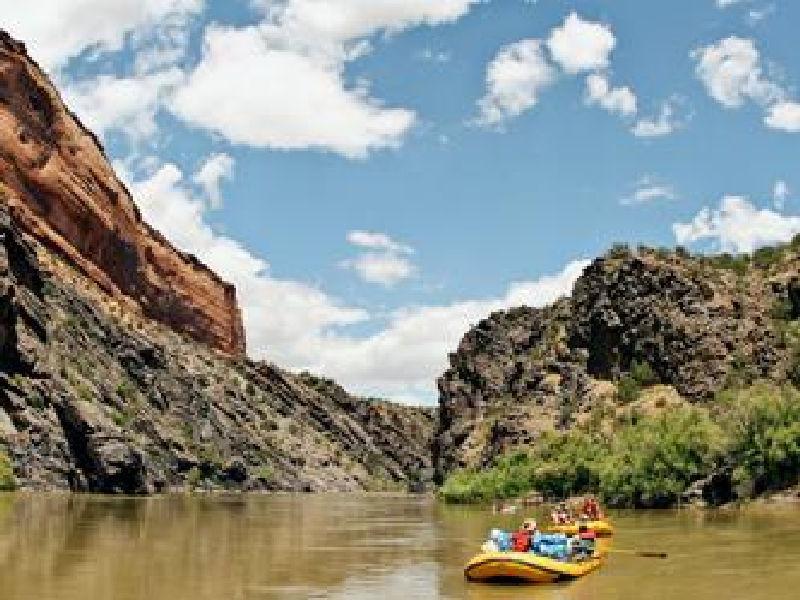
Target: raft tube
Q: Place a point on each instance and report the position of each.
(525, 567)
(601, 528)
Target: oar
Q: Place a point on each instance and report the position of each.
(640, 553)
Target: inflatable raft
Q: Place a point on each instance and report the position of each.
(526, 567)
(601, 528)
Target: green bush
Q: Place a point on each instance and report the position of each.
(559, 465)
(794, 367)
(653, 461)
(567, 464)
(629, 386)
(126, 390)
(619, 250)
(510, 477)
(7, 480)
(765, 257)
(265, 473)
(781, 310)
(763, 424)
(739, 264)
(643, 373)
(628, 390)
(647, 462)
(194, 477)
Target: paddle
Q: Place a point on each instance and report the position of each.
(640, 553)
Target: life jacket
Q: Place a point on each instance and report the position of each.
(521, 540)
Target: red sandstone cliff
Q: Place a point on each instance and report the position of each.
(59, 186)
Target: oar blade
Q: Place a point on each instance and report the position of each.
(652, 554)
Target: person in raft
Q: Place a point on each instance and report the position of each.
(590, 511)
(521, 539)
(560, 516)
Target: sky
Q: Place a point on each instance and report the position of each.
(375, 176)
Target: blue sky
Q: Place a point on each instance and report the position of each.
(376, 175)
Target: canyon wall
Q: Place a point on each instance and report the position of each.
(96, 398)
(679, 326)
(60, 188)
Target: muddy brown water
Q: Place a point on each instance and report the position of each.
(361, 547)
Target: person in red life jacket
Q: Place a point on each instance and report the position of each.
(521, 539)
(591, 509)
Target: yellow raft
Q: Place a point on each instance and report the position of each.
(601, 528)
(526, 567)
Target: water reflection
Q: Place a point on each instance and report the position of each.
(358, 547)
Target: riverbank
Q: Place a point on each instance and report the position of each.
(744, 445)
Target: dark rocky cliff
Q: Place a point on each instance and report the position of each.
(96, 398)
(695, 323)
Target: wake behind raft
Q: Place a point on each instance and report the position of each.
(530, 556)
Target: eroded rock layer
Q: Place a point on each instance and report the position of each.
(60, 187)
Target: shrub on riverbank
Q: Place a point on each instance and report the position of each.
(650, 461)
(7, 479)
(763, 425)
(558, 466)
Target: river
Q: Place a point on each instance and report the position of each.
(70, 547)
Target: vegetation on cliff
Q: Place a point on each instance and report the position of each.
(744, 444)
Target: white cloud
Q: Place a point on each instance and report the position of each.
(311, 107)
(387, 261)
(519, 72)
(331, 22)
(377, 241)
(210, 175)
(649, 189)
(164, 45)
(665, 123)
(780, 193)
(57, 30)
(127, 104)
(732, 73)
(386, 269)
(619, 100)
(514, 78)
(784, 116)
(727, 3)
(737, 226)
(580, 45)
(297, 96)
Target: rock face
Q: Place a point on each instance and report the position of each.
(96, 398)
(60, 188)
(696, 322)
